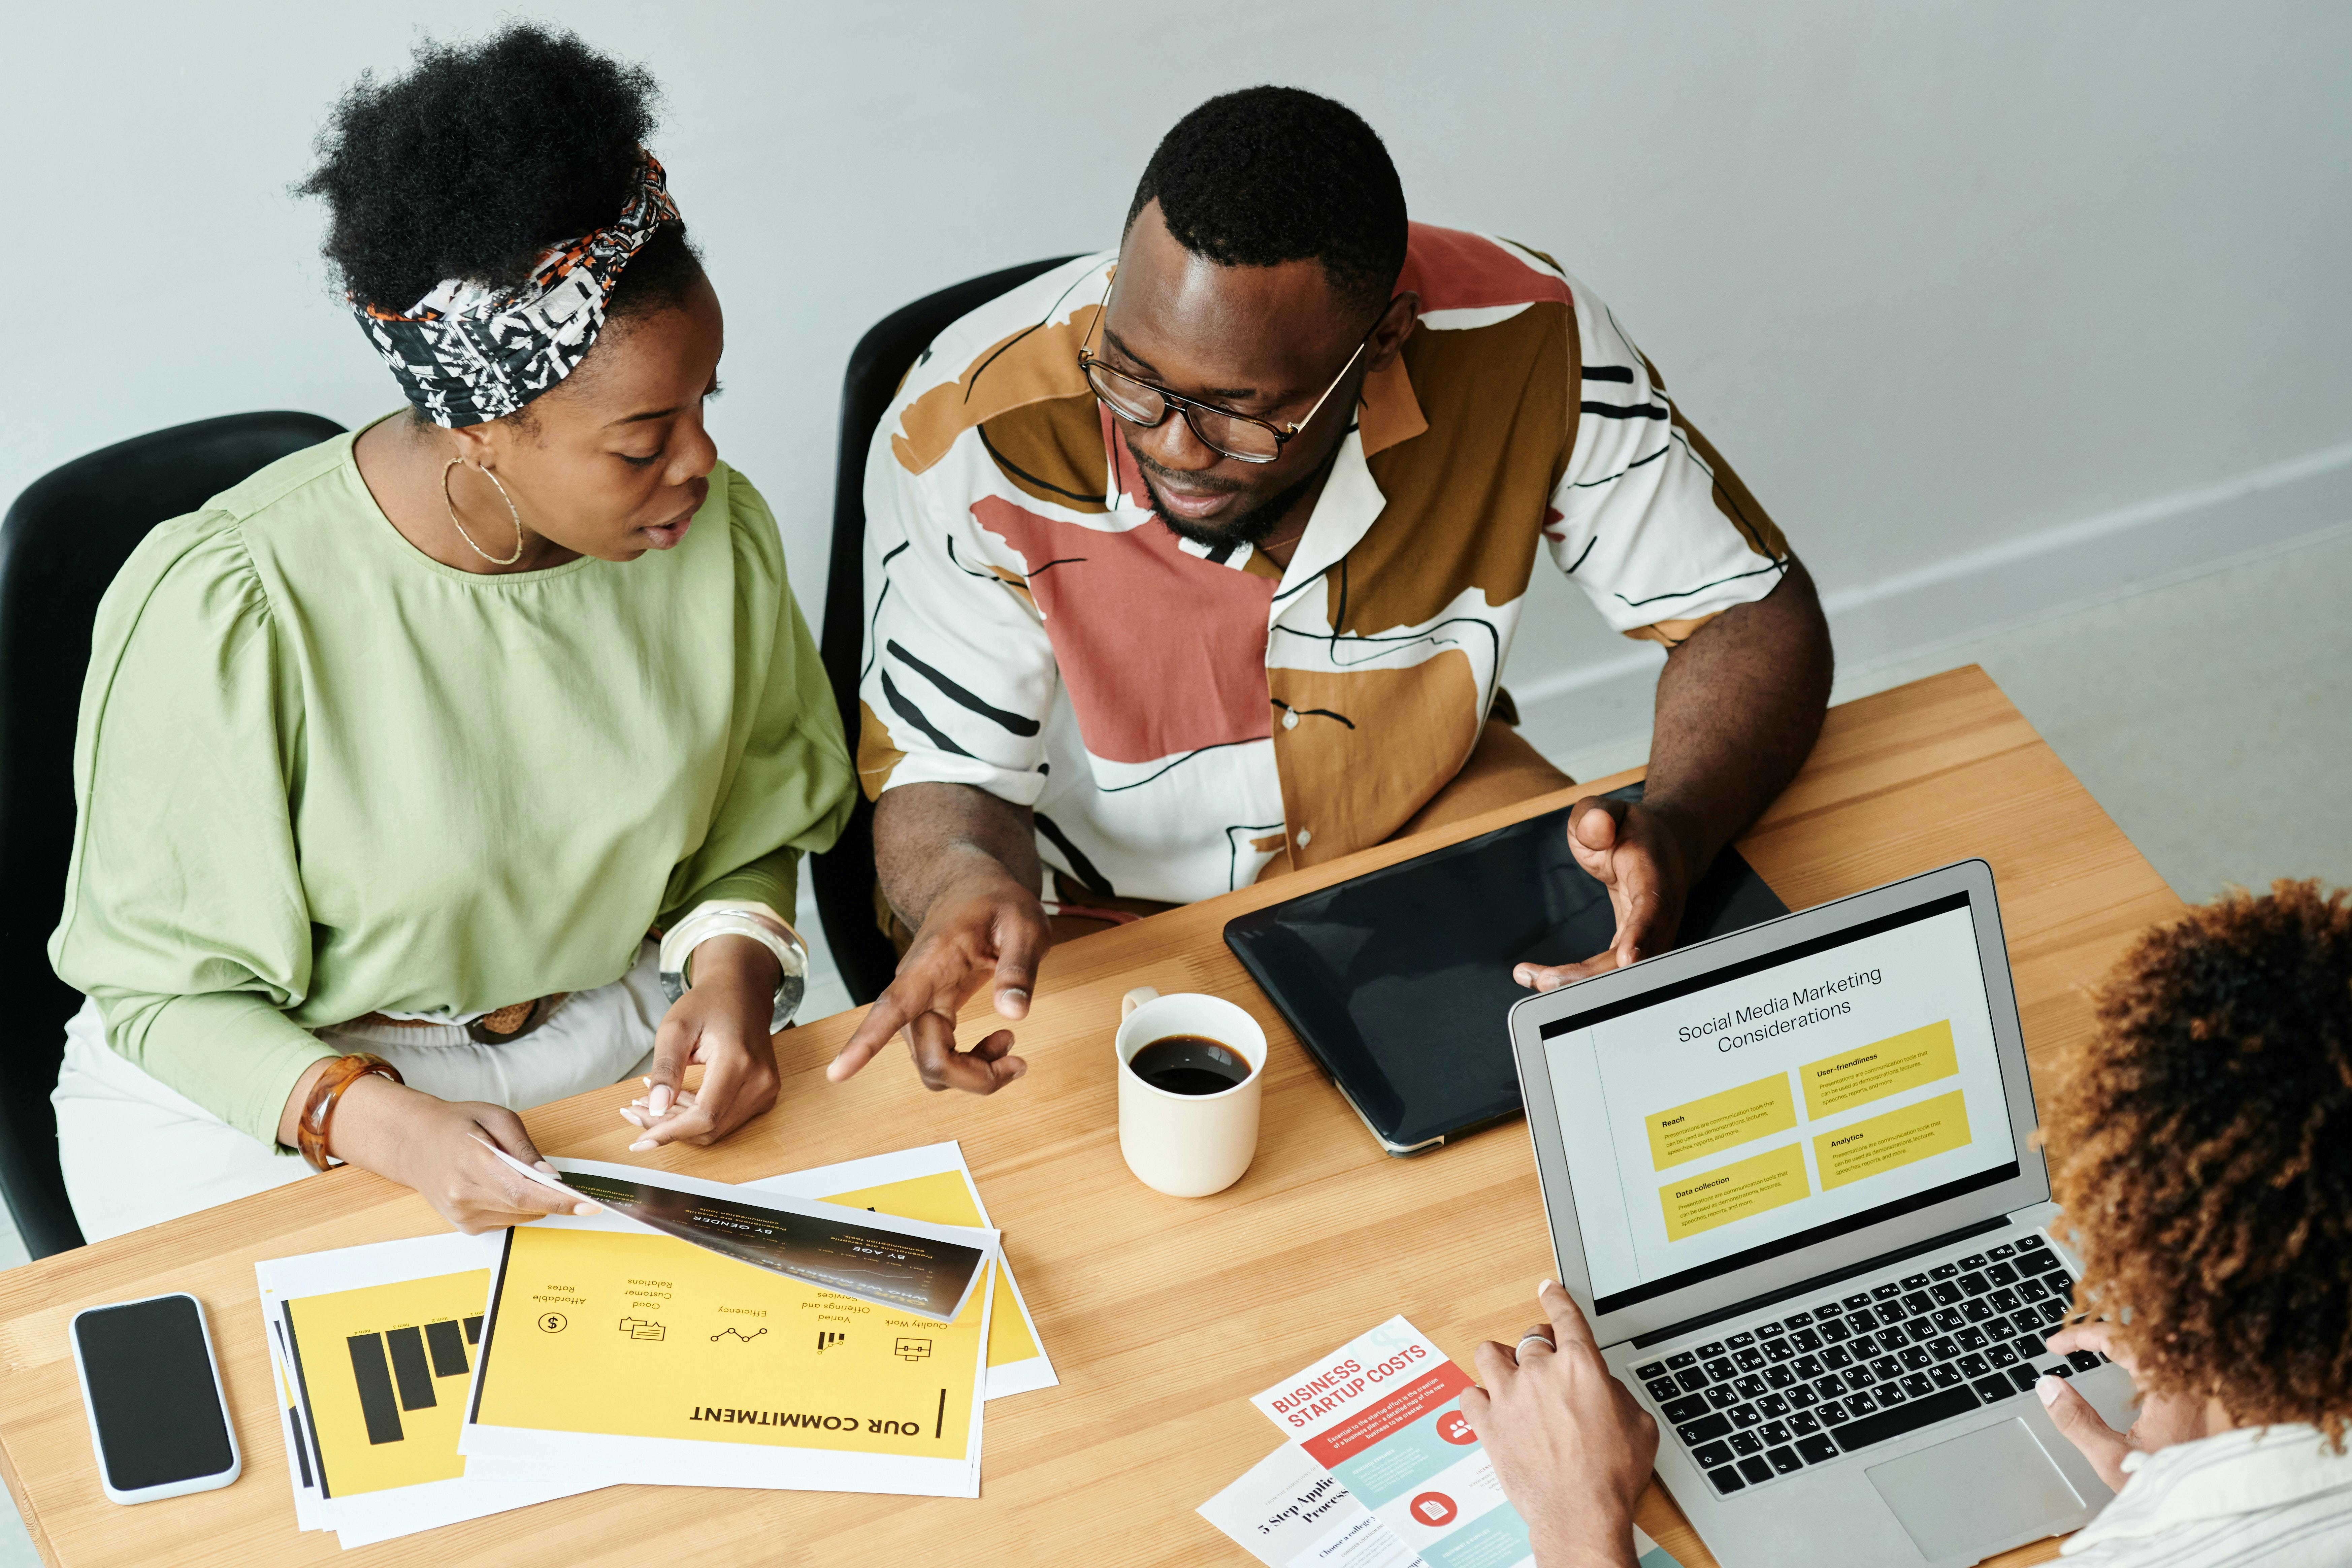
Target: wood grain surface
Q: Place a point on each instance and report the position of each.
(1163, 1315)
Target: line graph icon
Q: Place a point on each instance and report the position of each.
(738, 1334)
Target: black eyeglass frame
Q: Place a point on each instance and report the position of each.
(1177, 403)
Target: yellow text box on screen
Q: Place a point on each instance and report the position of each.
(426, 1447)
(1741, 1115)
(647, 1336)
(1734, 1192)
(1876, 1070)
(1890, 1142)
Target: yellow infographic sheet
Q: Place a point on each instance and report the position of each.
(932, 1183)
(610, 1346)
(385, 1369)
(375, 1346)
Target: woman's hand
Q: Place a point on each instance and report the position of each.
(436, 1147)
(1570, 1447)
(2164, 1419)
(722, 1022)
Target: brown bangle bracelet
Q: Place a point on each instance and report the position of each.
(319, 1110)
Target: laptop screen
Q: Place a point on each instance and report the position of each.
(1744, 1114)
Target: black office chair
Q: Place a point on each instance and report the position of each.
(63, 541)
(843, 875)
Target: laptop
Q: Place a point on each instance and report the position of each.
(1791, 1177)
(1395, 981)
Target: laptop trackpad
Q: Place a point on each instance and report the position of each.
(1985, 1487)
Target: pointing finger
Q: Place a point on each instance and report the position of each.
(894, 1009)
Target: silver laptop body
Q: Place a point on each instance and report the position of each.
(1791, 1178)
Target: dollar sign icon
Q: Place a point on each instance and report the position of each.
(554, 1322)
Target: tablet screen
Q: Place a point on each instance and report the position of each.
(1741, 1115)
(1399, 982)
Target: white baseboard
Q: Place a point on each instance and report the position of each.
(1979, 592)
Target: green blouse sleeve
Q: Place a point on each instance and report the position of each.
(184, 916)
(790, 785)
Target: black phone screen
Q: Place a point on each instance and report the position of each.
(150, 1387)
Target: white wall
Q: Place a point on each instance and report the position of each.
(1945, 281)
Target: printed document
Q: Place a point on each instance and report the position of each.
(1291, 1512)
(1384, 1414)
(375, 1345)
(918, 1268)
(933, 1183)
(606, 1346)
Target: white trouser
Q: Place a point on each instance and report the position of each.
(136, 1152)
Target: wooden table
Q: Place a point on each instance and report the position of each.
(1161, 1314)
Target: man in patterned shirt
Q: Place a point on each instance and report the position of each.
(1197, 562)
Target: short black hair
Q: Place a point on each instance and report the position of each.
(1271, 174)
(480, 158)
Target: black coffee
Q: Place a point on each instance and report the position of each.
(1189, 1064)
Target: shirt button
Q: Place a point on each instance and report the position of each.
(1289, 720)
(1306, 836)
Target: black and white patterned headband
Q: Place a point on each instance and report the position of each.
(467, 354)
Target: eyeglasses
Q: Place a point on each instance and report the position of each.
(1241, 436)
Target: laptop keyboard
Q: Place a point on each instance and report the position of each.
(1812, 1386)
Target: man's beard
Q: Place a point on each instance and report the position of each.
(1252, 528)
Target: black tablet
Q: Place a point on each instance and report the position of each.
(1399, 983)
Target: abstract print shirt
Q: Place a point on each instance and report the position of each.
(1184, 720)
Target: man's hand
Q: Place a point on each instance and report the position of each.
(1568, 1444)
(1647, 860)
(982, 925)
(1739, 703)
(2163, 1421)
(721, 1022)
(436, 1147)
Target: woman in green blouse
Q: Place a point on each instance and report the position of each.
(401, 748)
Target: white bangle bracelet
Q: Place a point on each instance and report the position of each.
(756, 921)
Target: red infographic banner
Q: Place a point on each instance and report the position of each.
(1392, 1414)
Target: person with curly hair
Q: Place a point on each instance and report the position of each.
(391, 756)
(2201, 1148)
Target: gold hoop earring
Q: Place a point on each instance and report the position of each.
(493, 559)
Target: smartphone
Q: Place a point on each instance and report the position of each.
(157, 1418)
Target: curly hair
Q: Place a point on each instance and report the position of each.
(1271, 174)
(480, 158)
(2203, 1153)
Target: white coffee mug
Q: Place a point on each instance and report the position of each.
(1187, 1146)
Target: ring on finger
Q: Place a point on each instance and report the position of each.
(1542, 1339)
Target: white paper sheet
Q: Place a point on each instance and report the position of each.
(367, 1517)
(1383, 1412)
(1291, 1512)
(298, 1473)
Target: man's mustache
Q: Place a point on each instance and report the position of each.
(1190, 481)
